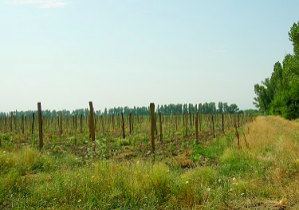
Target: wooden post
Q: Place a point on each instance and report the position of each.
(222, 122)
(40, 125)
(160, 123)
(152, 110)
(11, 119)
(213, 124)
(32, 125)
(176, 121)
(16, 122)
(95, 122)
(237, 135)
(60, 124)
(247, 145)
(75, 122)
(81, 122)
(5, 124)
(200, 121)
(113, 122)
(186, 124)
(196, 127)
(130, 122)
(103, 123)
(91, 125)
(123, 125)
(156, 130)
(22, 124)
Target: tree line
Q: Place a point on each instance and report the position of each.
(168, 109)
(279, 94)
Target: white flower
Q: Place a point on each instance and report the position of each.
(187, 182)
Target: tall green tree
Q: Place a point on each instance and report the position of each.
(279, 94)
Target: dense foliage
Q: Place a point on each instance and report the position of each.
(279, 94)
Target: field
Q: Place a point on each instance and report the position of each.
(254, 163)
(149, 104)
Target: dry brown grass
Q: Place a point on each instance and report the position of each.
(274, 142)
(269, 130)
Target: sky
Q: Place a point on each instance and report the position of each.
(65, 53)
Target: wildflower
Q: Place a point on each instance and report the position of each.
(187, 182)
(79, 200)
(208, 189)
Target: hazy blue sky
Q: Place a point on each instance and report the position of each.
(65, 53)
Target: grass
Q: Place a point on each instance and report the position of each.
(265, 175)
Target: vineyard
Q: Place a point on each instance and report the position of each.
(153, 160)
(106, 136)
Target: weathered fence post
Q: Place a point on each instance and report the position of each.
(32, 125)
(160, 123)
(16, 122)
(200, 121)
(237, 135)
(196, 127)
(222, 122)
(130, 122)
(11, 119)
(91, 125)
(22, 124)
(113, 122)
(40, 125)
(213, 124)
(102, 123)
(60, 124)
(123, 125)
(186, 124)
(152, 110)
(81, 122)
(247, 145)
(176, 120)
